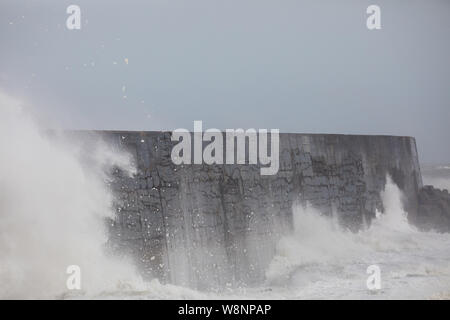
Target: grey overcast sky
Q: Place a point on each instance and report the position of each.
(300, 66)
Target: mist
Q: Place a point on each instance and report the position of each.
(53, 210)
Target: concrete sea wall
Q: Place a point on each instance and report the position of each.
(218, 225)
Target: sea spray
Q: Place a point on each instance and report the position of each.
(319, 255)
(316, 240)
(53, 206)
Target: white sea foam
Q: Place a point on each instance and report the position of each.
(320, 260)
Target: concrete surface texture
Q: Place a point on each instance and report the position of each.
(206, 225)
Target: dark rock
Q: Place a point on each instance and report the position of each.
(434, 209)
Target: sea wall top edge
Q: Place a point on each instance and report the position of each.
(144, 132)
